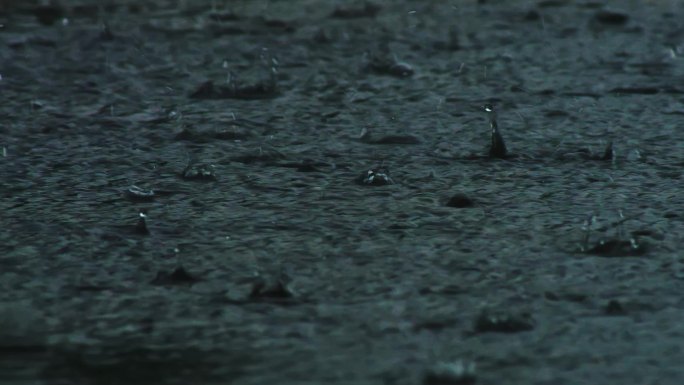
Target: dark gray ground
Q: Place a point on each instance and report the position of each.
(384, 282)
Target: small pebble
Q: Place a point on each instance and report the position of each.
(611, 17)
(614, 307)
(179, 276)
(273, 290)
(460, 201)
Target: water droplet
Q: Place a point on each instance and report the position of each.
(65, 22)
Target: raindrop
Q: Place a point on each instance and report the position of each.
(459, 372)
(199, 172)
(141, 226)
(609, 152)
(498, 146)
(634, 156)
(65, 22)
(378, 176)
(137, 194)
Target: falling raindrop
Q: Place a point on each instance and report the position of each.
(141, 226)
(498, 146)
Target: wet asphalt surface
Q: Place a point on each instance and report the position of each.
(304, 192)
